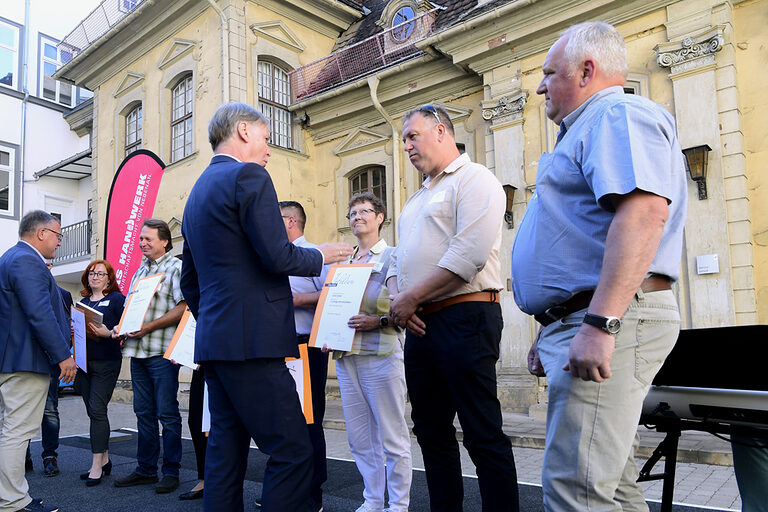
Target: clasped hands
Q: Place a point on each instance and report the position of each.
(402, 311)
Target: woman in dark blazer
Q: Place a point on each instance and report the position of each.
(100, 292)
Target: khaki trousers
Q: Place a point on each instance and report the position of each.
(592, 427)
(22, 400)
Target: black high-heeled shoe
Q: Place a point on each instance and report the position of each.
(106, 469)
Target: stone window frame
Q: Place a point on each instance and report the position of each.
(370, 170)
(137, 141)
(186, 120)
(275, 135)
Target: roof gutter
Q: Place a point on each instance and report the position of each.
(333, 4)
(473, 23)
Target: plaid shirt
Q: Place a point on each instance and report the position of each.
(166, 298)
(381, 341)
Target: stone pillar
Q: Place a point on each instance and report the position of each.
(707, 112)
(235, 13)
(518, 389)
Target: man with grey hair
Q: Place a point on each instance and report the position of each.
(593, 260)
(237, 259)
(34, 335)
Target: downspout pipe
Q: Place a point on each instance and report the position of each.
(24, 79)
(373, 85)
(224, 52)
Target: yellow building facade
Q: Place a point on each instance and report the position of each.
(701, 59)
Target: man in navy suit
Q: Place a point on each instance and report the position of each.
(35, 335)
(237, 259)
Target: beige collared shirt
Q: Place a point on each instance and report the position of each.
(454, 222)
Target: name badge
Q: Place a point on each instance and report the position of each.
(437, 197)
(377, 267)
(103, 303)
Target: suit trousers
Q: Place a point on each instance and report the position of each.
(22, 399)
(750, 463)
(256, 399)
(318, 375)
(452, 371)
(591, 432)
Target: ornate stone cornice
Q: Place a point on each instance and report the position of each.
(696, 46)
(505, 108)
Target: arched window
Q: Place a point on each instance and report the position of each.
(370, 179)
(274, 98)
(182, 96)
(133, 130)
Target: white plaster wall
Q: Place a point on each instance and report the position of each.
(9, 234)
(10, 113)
(49, 140)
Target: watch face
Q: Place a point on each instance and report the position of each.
(384, 321)
(612, 325)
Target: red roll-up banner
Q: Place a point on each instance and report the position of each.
(131, 200)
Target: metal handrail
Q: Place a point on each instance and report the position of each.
(105, 16)
(75, 242)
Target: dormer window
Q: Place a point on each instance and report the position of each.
(401, 29)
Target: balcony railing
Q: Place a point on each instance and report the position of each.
(360, 59)
(105, 16)
(75, 243)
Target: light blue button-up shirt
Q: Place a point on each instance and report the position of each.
(304, 316)
(614, 143)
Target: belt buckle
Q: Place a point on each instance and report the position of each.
(552, 313)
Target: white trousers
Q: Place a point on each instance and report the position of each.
(22, 400)
(373, 398)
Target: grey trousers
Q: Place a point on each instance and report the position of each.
(592, 427)
(22, 400)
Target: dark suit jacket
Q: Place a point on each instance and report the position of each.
(237, 259)
(35, 329)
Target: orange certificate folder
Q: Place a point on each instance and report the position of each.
(340, 300)
(182, 346)
(299, 369)
(138, 300)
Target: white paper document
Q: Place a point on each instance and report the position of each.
(137, 303)
(78, 342)
(206, 423)
(339, 301)
(182, 346)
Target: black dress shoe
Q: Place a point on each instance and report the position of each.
(50, 466)
(191, 495)
(135, 479)
(167, 484)
(106, 469)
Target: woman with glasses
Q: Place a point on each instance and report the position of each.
(371, 375)
(104, 357)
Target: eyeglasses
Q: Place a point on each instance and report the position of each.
(432, 110)
(359, 213)
(97, 274)
(58, 235)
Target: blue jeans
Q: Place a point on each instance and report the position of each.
(155, 385)
(50, 425)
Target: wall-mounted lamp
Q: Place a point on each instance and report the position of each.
(509, 191)
(696, 164)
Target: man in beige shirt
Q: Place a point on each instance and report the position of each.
(445, 279)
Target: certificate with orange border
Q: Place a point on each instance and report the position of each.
(339, 301)
(137, 303)
(299, 369)
(182, 346)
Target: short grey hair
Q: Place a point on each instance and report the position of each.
(224, 122)
(34, 220)
(600, 41)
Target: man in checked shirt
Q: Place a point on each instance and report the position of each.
(156, 379)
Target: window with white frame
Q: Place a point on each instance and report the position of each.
(7, 161)
(182, 96)
(51, 59)
(274, 98)
(133, 130)
(9, 54)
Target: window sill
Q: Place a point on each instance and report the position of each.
(181, 161)
(287, 151)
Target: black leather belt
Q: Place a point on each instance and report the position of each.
(302, 338)
(581, 300)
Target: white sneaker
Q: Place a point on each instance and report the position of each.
(365, 507)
